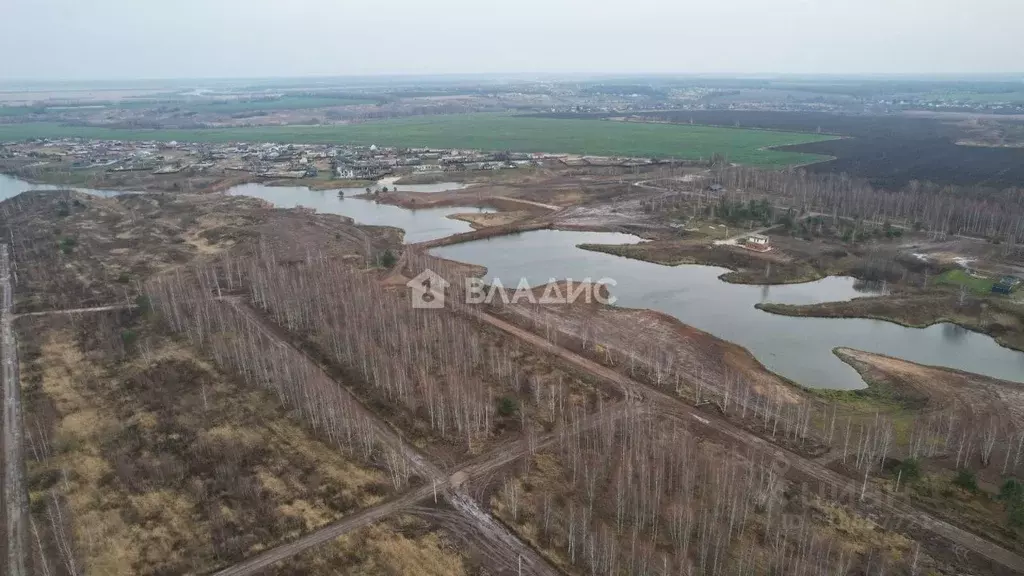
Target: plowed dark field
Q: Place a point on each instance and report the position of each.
(888, 150)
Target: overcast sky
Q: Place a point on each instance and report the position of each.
(120, 39)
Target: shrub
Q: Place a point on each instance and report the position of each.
(1015, 515)
(388, 259)
(1012, 494)
(909, 470)
(966, 480)
(507, 406)
(67, 244)
(143, 304)
(1012, 490)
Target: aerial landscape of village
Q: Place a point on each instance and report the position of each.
(421, 311)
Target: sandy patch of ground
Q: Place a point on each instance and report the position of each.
(486, 220)
(941, 388)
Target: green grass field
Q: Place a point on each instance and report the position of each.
(236, 106)
(962, 278)
(487, 132)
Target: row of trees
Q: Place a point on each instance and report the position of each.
(650, 498)
(239, 343)
(699, 373)
(424, 360)
(437, 365)
(973, 434)
(971, 211)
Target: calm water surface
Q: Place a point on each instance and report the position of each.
(797, 348)
(11, 187)
(419, 225)
(427, 188)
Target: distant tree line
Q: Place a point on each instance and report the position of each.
(975, 211)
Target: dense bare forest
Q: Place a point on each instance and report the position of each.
(943, 210)
(240, 344)
(648, 497)
(973, 435)
(436, 364)
(639, 493)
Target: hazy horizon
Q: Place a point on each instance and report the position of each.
(1013, 76)
(119, 40)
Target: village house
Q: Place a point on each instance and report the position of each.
(758, 242)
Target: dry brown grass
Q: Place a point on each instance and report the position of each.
(163, 464)
(487, 219)
(857, 533)
(934, 389)
(74, 250)
(401, 546)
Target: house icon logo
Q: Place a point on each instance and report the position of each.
(427, 290)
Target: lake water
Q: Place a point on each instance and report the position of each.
(429, 188)
(797, 348)
(11, 187)
(419, 225)
(426, 188)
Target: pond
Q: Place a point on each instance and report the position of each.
(11, 187)
(797, 348)
(426, 188)
(420, 225)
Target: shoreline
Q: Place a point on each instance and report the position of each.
(819, 311)
(693, 257)
(735, 275)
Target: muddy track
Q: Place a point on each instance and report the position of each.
(345, 525)
(73, 311)
(809, 468)
(540, 223)
(468, 519)
(15, 502)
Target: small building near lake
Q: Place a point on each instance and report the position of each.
(758, 242)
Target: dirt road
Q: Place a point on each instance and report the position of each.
(345, 525)
(470, 515)
(478, 519)
(808, 468)
(550, 207)
(72, 311)
(510, 548)
(14, 500)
